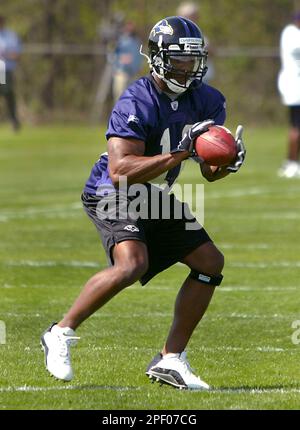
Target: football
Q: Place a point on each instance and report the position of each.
(217, 146)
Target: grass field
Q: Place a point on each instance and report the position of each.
(48, 249)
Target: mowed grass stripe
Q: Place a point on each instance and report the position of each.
(48, 249)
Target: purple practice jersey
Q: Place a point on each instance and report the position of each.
(146, 113)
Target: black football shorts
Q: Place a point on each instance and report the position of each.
(168, 240)
(294, 113)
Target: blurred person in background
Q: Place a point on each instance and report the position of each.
(10, 49)
(289, 88)
(127, 59)
(190, 10)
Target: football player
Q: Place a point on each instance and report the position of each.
(150, 134)
(289, 88)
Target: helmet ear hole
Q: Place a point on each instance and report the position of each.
(158, 65)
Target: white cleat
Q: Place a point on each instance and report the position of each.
(56, 342)
(175, 370)
(289, 169)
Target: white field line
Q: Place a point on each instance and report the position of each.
(49, 215)
(161, 287)
(239, 192)
(249, 246)
(94, 264)
(256, 289)
(64, 210)
(28, 388)
(51, 263)
(206, 349)
(223, 390)
(253, 391)
(220, 289)
(38, 212)
(212, 317)
(11, 287)
(251, 191)
(73, 211)
(260, 265)
(279, 215)
(276, 215)
(68, 210)
(265, 265)
(199, 349)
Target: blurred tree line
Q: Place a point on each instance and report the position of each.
(61, 85)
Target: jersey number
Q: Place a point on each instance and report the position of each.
(165, 144)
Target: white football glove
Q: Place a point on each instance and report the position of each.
(235, 166)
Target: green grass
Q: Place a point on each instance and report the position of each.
(49, 248)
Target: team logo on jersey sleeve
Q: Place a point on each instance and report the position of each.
(133, 118)
(162, 27)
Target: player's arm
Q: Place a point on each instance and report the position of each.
(126, 158)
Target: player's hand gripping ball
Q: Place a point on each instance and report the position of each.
(217, 146)
(241, 151)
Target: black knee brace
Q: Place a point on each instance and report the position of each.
(206, 279)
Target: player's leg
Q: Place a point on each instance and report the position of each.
(294, 144)
(171, 366)
(130, 263)
(291, 167)
(11, 100)
(194, 296)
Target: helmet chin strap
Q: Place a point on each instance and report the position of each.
(174, 87)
